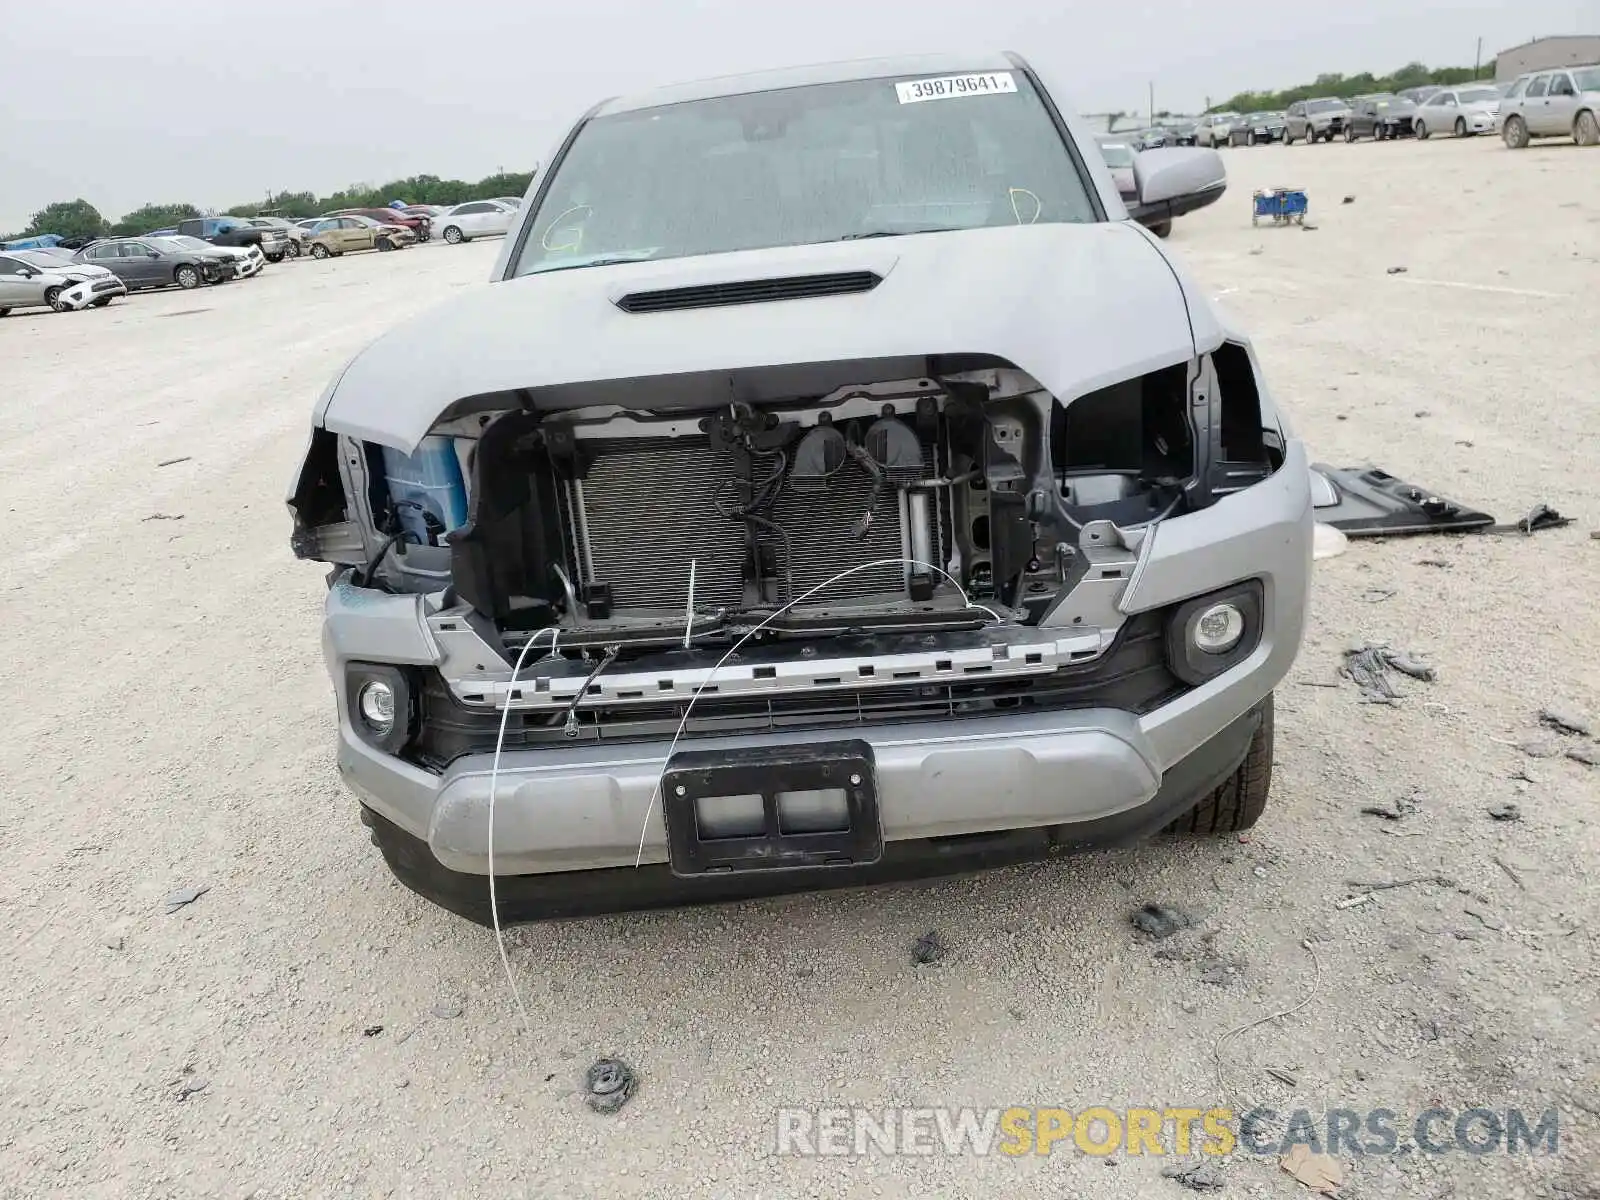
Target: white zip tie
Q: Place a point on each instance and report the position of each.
(494, 778)
(688, 613)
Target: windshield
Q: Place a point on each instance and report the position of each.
(184, 242)
(1477, 95)
(45, 262)
(821, 163)
(1323, 105)
(1588, 79)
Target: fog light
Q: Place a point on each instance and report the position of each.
(376, 701)
(1218, 629)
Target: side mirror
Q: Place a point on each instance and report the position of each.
(151, 254)
(1174, 175)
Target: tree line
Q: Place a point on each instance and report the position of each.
(80, 219)
(1413, 74)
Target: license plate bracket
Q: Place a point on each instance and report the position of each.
(811, 807)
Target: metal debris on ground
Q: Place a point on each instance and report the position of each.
(1564, 720)
(1401, 808)
(1348, 200)
(1369, 663)
(609, 1083)
(1433, 562)
(161, 516)
(1516, 876)
(929, 948)
(1542, 516)
(1357, 901)
(1159, 921)
(172, 462)
(183, 897)
(190, 1087)
(1282, 1076)
(1508, 811)
(372, 1031)
(1378, 595)
(1384, 885)
(1397, 270)
(1197, 1177)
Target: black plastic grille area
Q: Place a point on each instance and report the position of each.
(750, 291)
(1133, 676)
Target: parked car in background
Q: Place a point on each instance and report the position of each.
(41, 241)
(151, 263)
(1213, 129)
(1380, 118)
(295, 245)
(36, 279)
(1181, 133)
(333, 236)
(1564, 103)
(232, 231)
(247, 260)
(1462, 111)
(1319, 120)
(420, 226)
(476, 218)
(1118, 156)
(1256, 128)
(514, 201)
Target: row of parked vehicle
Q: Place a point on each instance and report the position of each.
(48, 272)
(1553, 103)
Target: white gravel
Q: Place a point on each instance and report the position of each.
(168, 724)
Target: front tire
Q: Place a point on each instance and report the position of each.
(1586, 129)
(1162, 229)
(1515, 134)
(319, 251)
(186, 277)
(385, 244)
(1422, 130)
(1350, 133)
(1238, 802)
(453, 236)
(1461, 127)
(292, 250)
(52, 297)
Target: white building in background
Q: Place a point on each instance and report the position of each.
(1543, 54)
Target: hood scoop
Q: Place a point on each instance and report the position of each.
(750, 291)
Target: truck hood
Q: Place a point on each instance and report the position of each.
(1076, 306)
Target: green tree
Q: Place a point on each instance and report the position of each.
(1411, 75)
(69, 218)
(154, 216)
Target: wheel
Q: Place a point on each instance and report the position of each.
(1161, 229)
(1238, 802)
(1422, 130)
(1349, 133)
(52, 297)
(1461, 127)
(292, 250)
(186, 277)
(1515, 133)
(274, 258)
(4, 311)
(1250, 138)
(385, 244)
(318, 250)
(1586, 130)
(453, 236)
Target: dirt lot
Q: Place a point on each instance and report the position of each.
(168, 724)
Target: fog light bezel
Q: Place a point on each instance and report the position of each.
(358, 676)
(1194, 665)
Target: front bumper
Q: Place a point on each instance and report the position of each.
(584, 807)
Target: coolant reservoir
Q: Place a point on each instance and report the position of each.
(427, 490)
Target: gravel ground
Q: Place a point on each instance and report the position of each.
(169, 725)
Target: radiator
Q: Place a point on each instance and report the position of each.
(645, 510)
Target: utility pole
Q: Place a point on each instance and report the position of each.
(1152, 104)
(1477, 61)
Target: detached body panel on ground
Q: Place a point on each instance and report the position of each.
(728, 540)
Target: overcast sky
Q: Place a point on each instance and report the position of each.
(215, 103)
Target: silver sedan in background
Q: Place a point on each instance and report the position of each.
(1462, 111)
(476, 218)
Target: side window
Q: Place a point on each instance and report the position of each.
(135, 249)
(10, 266)
(469, 210)
(349, 223)
(1446, 98)
(1561, 85)
(1295, 110)
(1538, 86)
(1516, 89)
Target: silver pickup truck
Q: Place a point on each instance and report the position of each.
(788, 515)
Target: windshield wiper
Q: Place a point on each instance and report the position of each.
(598, 260)
(878, 233)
